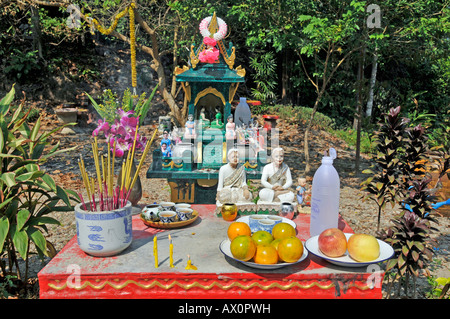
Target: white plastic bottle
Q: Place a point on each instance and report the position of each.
(325, 196)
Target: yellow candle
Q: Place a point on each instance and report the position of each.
(189, 266)
(155, 250)
(171, 252)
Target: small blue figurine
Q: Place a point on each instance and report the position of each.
(166, 139)
(165, 150)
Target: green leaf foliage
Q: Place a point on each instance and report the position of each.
(28, 193)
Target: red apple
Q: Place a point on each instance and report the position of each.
(332, 242)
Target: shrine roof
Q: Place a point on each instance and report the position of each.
(217, 72)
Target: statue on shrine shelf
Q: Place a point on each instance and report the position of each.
(166, 139)
(189, 132)
(259, 138)
(217, 123)
(166, 145)
(276, 179)
(230, 128)
(203, 121)
(232, 183)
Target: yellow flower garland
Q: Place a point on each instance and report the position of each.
(133, 46)
(130, 11)
(113, 26)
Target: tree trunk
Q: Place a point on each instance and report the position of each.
(373, 78)
(37, 36)
(358, 117)
(284, 78)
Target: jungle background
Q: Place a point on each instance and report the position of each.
(329, 69)
(348, 60)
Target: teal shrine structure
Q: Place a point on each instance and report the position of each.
(192, 169)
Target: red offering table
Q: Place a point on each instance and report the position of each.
(132, 274)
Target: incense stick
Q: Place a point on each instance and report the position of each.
(108, 196)
(147, 148)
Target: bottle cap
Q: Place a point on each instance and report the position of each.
(329, 159)
(333, 153)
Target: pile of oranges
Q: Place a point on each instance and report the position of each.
(263, 247)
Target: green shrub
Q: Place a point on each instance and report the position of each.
(28, 194)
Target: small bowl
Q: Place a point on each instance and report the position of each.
(266, 224)
(182, 205)
(184, 213)
(167, 206)
(253, 222)
(167, 216)
(277, 219)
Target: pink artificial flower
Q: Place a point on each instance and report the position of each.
(123, 132)
(130, 123)
(122, 146)
(209, 41)
(122, 113)
(103, 127)
(209, 55)
(140, 142)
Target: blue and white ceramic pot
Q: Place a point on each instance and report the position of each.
(106, 233)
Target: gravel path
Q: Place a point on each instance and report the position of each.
(360, 215)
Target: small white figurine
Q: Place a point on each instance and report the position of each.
(190, 128)
(230, 133)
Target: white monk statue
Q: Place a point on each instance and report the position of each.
(232, 183)
(276, 179)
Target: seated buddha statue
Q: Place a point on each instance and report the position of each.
(276, 179)
(217, 123)
(232, 183)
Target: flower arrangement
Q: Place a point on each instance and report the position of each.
(123, 134)
(119, 126)
(108, 108)
(211, 53)
(107, 196)
(219, 35)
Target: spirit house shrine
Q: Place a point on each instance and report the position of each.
(213, 126)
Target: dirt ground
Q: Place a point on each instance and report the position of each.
(360, 215)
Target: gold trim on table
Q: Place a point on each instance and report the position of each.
(214, 285)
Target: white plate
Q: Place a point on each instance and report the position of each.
(245, 219)
(386, 252)
(225, 249)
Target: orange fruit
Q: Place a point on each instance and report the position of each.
(283, 230)
(266, 254)
(262, 237)
(238, 228)
(290, 249)
(243, 247)
(275, 244)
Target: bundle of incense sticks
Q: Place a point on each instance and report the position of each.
(106, 196)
